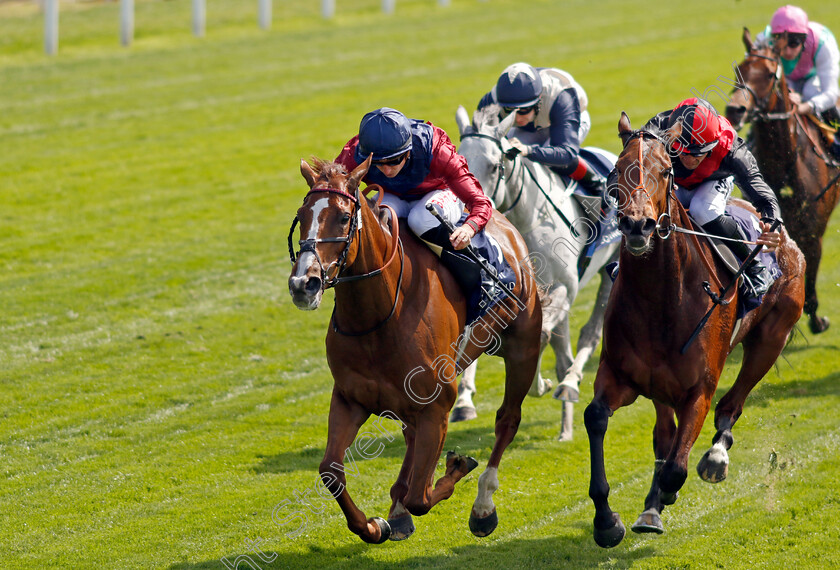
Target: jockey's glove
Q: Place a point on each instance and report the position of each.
(523, 148)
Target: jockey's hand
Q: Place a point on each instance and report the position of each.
(805, 109)
(795, 97)
(460, 238)
(523, 148)
(770, 240)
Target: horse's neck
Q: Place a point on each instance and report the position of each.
(775, 140)
(370, 298)
(525, 201)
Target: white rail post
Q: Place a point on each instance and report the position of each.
(388, 6)
(327, 8)
(199, 17)
(50, 26)
(126, 22)
(264, 14)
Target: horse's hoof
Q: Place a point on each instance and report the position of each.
(463, 414)
(401, 527)
(818, 324)
(609, 537)
(540, 387)
(384, 530)
(567, 393)
(564, 436)
(714, 465)
(668, 498)
(648, 521)
(483, 526)
(470, 462)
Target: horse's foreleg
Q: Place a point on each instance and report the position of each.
(690, 418)
(464, 408)
(812, 248)
(344, 423)
(421, 496)
(663, 438)
(609, 396)
(590, 336)
(399, 519)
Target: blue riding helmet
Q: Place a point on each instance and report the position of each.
(384, 132)
(519, 86)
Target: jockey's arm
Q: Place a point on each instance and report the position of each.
(563, 146)
(828, 68)
(752, 185)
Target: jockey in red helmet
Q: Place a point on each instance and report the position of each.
(551, 119)
(710, 158)
(811, 63)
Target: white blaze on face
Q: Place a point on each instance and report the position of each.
(307, 258)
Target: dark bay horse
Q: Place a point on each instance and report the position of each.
(656, 303)
(785, 146)
(394, 349)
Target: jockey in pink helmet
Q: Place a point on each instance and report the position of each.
(811, 62)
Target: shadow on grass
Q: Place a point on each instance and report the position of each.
(476, 441)
(577, 551)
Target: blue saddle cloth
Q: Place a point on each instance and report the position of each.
(606, 225)
(485, 293)
(749, 223)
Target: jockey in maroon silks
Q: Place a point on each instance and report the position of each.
(416, 164)
(711, 157)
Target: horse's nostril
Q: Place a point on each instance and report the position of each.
(648, 226)
(313, 285)
(625, 225)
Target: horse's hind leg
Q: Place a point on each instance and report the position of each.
(521, 361)
(344, 423)
(812, 248)
(663, 437)
(762, 346)
(399, 519)
(590, 336)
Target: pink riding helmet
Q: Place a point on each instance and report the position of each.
(790, 19)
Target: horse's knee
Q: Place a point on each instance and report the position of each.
(672, 477)
(332, 478)
(596, 417)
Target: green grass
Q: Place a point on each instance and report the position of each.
(161, 394)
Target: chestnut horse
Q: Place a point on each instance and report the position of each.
(785, 146)
(656, 302)
(395, 347)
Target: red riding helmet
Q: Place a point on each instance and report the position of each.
(700, 126)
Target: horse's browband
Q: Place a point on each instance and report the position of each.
(334, 191)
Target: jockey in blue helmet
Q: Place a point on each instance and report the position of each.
(551, 119)
(710, 158)
(416, 164)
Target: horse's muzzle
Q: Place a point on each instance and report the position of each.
(736, 114)
(637, 233)
(306, 291)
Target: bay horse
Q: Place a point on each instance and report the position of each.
(656, 302)
(394, 345)
(556, 229)
(785, 147)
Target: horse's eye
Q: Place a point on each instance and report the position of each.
(345, 219)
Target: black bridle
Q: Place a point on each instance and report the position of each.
(760, 111)
(340, 262)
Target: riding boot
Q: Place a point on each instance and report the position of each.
(593, 183)
(469, 275)
(756, 280)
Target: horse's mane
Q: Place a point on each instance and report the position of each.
(487, 116)
(327, 168)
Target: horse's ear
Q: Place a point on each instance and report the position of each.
(501, 131)
(358, 173)
(747, 39)
(624, 128)
(463, 120)
(675, 132)
(308, 173)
